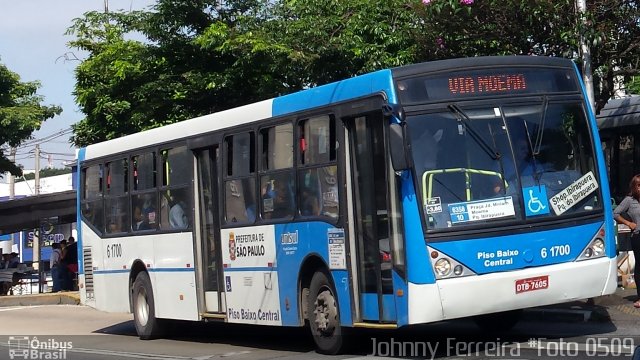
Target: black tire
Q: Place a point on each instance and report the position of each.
(144, 314)
(324, 316)
(498, 322)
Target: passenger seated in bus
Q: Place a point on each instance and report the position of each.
(139, 220)
(177, 216)
(309, 205)
(277, 200)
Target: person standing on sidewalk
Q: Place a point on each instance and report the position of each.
(56, 267)
(631, 206)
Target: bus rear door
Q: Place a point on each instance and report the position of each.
(208, 231)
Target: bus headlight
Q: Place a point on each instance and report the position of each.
(596, 247)
(442, 267)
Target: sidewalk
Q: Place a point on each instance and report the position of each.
(59, 298)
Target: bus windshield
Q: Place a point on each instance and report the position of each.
(481, 164)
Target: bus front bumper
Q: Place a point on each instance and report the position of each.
(489, 293)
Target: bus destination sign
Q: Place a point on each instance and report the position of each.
(484, 82)
(498, 83)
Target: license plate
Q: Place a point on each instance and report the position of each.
(532, 284)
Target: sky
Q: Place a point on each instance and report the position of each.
(33, 45)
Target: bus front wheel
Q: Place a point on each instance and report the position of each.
(147, 326)
(323, 315)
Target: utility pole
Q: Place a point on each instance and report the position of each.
(12, 179)
(12, 187)
(37, 178)
(36, 232)
(587, 75)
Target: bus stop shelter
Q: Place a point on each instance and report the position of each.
(27, 213)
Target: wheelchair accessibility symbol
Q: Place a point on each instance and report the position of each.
(535, 200)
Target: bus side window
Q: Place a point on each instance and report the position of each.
(116, 196)
(144, 197)
(174, 199)
(239, 188)
(276, 179)
(318, 180)
(92, 201)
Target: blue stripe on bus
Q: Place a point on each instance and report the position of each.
(81, 155)
(256, 268)
(364, 85)
(602, 171)
(120, 271)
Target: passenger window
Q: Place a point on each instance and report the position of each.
(175, 167)
(277, 147)
(116, 198)
(276, 182)
(318, 174)
(92, 203)
(175, 198)
(117, 178)
(318, 141)
(144, 200)
(240, 185)
(92, 182)
(144, 171)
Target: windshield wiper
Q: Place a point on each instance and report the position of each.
(462, 117)
(538, 143)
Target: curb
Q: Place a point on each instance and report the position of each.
(70, 298)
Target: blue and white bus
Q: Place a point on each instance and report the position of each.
(461, 188)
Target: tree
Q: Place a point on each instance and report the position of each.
(177, 71)
(454, 28)
(203, 56)
(614, 33)
(21, 113)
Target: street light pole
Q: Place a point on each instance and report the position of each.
(585, 51)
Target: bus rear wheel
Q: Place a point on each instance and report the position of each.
(147, 326)
(323, 315)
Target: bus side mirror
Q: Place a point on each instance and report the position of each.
(397, 146)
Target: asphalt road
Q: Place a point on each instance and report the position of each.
(79, 332)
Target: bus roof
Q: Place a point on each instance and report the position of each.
(356, 87)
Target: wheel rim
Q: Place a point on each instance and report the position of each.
(142, 307)
(326, 313)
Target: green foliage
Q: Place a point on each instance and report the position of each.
(197, 57)
(21, 113)
(45, 173)
(633, 86)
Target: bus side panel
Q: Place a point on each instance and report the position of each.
(251, 280)
(174, 283)
(294, 243)
(418, 262)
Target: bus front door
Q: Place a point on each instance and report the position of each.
(208, 251)
(370, 223)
